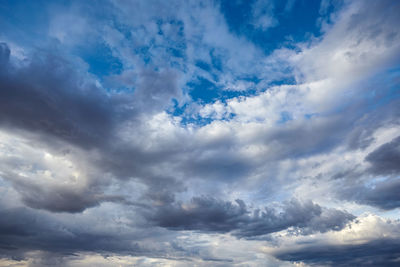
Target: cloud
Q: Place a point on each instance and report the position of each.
(262, 14)
(369, 241)
(381, 194)
(156, 90)
(212, 215)
(64, 112)
(376, 184)
(361, 42)
(383, 252)
(41, 238)
(47, 96)
(23, 230)
(386, 158)
(98, 159)
(61, 198)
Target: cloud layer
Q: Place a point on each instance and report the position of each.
(223, 133)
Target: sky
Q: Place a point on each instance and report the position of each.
(199, 133)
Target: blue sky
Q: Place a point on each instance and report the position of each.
(199, 133)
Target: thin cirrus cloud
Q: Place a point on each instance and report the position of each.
(147, 133)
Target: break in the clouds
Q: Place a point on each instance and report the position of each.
(199, 133)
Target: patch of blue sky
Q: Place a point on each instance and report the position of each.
(285, 116)
(21, 25)
(211, 72)
(177, 110)
(250, 78)
(144, 53)
(176, 52)
(203, 65)
(204, 91)
(292, 25)
(122, 28)
(309, 116)
(100, 59)
(288, 80)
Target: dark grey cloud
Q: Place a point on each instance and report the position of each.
(31, 234)
(380, 252)
(384, 195)
(212, 215)
(61, 198)
(47, 96)
(22, 230)
(206, 214)
(381, 194)
(386, 158)
(60, 108)
(360, 137)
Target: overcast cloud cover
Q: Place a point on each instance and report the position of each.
(200, 133)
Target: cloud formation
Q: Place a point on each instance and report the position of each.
(374, 253)
(209, 214)
(257, 133)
